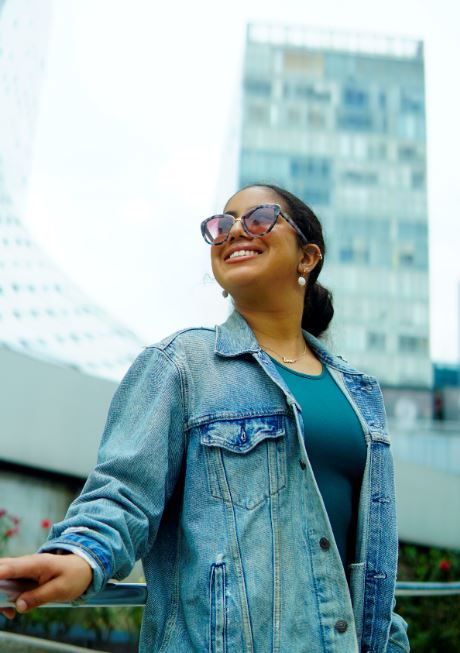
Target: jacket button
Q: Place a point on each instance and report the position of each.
(341, 626)
(324, 543)
(302, 464)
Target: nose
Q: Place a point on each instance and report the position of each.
(236, 230)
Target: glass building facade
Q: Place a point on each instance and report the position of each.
(42, 313)
(339, 120)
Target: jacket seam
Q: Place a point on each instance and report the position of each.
(170, 339)
(230, 416)
(183, 388)
(172, 619)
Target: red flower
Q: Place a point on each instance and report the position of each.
(2, 512)
(46, 523)
(10, 532)
(444, 564)
(14, 519)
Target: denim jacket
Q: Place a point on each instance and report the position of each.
(203, 473)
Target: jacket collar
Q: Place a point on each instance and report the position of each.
(235, 337)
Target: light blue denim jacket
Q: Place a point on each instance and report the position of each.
(203, 474)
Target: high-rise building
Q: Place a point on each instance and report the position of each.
(42, 313)
(339, 119)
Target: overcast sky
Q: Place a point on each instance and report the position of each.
(138, 105)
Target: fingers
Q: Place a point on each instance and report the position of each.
(53, 591)
(59, 578)
(8, 612)
(31, 566)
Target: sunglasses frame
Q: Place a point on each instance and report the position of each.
(242, 219)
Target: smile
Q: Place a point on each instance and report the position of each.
(243, 253)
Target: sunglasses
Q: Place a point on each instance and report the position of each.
(259, 221)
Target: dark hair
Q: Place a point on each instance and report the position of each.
(318, 309)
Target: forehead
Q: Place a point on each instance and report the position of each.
(249, 197)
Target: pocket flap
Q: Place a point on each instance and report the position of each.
(241, 435)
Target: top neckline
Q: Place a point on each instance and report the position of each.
(315, 377)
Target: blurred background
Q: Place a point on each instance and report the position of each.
(122, 126)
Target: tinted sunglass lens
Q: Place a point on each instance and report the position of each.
(217, 228)
(260, 220)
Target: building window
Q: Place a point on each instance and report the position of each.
(304, 62)
(318, 196)
(357, 255)
(360, 178)
(316, 119)
(258, 114)
(310, 167)
(413, 344)
(376, 341)
(406, 257)
(418, 179)
(296, 91)
(408, 153)
(355, 121)
(293, 117)
(412, 102)
(258, 87)
(354, 97)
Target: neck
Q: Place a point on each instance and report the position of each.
(276, 326)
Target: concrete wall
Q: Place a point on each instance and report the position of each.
(428, 505)
(51, 416)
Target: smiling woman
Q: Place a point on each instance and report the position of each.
(284, 271)
(248, 466)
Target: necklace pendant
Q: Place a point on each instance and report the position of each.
(288, 360)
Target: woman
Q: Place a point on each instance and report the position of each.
(247, 466)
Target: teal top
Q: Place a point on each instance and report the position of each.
(336, 449)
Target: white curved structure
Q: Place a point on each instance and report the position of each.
(42, 314)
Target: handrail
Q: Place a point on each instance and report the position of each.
(135, 594)
(412, 588)
(114, 594)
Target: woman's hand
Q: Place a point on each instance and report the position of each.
(58, 578)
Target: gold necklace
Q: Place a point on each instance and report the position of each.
(288, 360)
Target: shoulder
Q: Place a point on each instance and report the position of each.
(172, 357)
(184, 346)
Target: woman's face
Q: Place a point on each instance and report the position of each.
(275, 258)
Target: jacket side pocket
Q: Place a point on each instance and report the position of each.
(357, 594)
(218, 612)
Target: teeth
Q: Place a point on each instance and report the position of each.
(243, 252)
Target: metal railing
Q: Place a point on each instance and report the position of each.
(135, 594)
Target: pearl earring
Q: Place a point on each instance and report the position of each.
(301, 279)
(224, 293)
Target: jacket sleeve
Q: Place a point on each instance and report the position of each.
(398, 641)
(116, 518)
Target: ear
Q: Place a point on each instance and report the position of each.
(311, 255)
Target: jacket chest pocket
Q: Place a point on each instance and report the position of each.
(245, 459)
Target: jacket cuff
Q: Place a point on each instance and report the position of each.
(91, 551)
